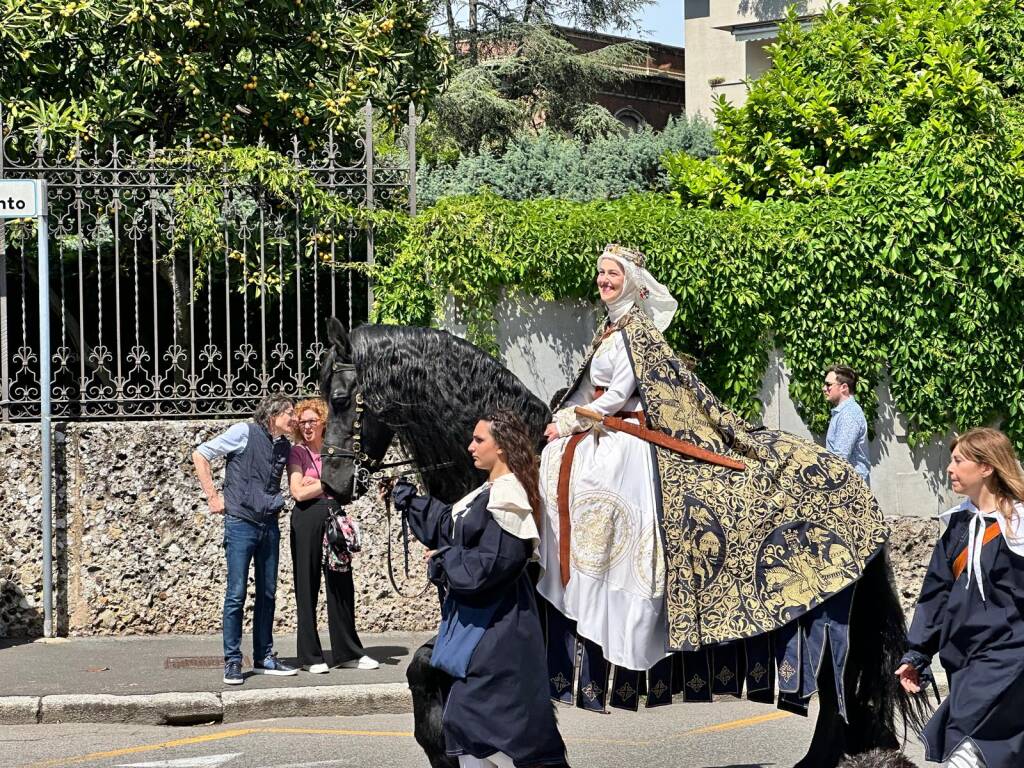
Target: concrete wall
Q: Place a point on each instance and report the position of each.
(716, 63)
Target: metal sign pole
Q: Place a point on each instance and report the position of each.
(44, 405)
(26, 199)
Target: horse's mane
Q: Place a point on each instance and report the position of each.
(431, 388)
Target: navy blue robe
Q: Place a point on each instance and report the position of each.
(502, 704)
(981, 646)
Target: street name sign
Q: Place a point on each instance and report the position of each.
(20, 198)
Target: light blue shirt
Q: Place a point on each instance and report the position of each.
(232, 440)
(848, 436)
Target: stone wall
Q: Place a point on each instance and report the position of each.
(135, 549)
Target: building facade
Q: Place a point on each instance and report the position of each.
(726, 46)
(656, 90)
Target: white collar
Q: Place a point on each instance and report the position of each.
(618, 308)
(1012, 532)
(509, 505)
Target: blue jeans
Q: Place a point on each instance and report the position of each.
(246, 542)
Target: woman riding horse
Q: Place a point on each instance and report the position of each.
(685, 553)
(803, 529)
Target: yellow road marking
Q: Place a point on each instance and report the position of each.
(726, 726)
(239, 732)
(744, 723)
(219, 736)
(146, 748)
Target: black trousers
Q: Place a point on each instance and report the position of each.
(307, 532)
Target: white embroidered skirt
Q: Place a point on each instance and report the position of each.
(616, 589)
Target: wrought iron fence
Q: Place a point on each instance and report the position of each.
(141, 326)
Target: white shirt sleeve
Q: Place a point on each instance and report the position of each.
(622, 387)
(232, 440)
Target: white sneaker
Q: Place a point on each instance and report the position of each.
(318, 669)
(362, 663)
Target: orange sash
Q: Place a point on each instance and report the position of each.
(960, 563)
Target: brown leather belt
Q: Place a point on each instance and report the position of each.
(960, 563)
(564, 526)
(564, 476)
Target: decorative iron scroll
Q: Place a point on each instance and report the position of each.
(141, 329)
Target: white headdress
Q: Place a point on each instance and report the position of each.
(639, 288)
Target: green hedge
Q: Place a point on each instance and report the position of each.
(923, 283)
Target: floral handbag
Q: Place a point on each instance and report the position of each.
(341, 541)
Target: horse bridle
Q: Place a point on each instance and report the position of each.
(365, 468)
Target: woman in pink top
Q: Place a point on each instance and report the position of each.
(312, 505)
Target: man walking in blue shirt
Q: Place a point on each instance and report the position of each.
(848, 429)
(251, 500)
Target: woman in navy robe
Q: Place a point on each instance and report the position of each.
(971, 612)
(498, 711)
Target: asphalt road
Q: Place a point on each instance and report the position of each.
(728, 734)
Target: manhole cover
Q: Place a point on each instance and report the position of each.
(199, 662)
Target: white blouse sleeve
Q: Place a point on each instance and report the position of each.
(622, 387)
(618, 393)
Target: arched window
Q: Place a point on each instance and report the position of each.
(630, 119)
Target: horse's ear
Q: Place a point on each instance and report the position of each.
(338, 337)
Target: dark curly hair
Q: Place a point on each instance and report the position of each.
(513, 437)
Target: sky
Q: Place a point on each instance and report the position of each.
(662, 22)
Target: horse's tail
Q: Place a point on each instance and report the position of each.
(878, 640)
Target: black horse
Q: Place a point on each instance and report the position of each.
(430, 388)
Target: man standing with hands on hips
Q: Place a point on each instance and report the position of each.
(848, 429)
(251, 500)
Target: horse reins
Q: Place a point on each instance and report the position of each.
(366, 470)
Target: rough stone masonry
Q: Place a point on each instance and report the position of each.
(137, 552)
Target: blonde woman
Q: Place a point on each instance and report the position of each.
(312, 505)
(970, 611)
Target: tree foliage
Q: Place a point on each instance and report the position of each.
(873, 80)
(532, 78)
(550, 165)
(865, 207)
(198, 70)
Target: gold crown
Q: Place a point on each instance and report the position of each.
(631, 255)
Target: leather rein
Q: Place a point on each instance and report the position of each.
(366, 470)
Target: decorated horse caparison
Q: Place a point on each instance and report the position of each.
(429, 388)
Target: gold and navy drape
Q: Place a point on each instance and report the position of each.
(746, 552)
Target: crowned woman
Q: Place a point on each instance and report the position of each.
(648, 550)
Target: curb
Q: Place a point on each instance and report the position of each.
(228, 706)
(330, 700)
(207, 707)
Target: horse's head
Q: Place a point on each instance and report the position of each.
(354, 435)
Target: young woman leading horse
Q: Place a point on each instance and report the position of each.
(498, 713)
(800, 620)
